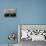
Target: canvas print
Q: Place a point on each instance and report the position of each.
(10, 12)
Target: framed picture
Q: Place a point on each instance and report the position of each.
(32, 32)
(10, 12)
